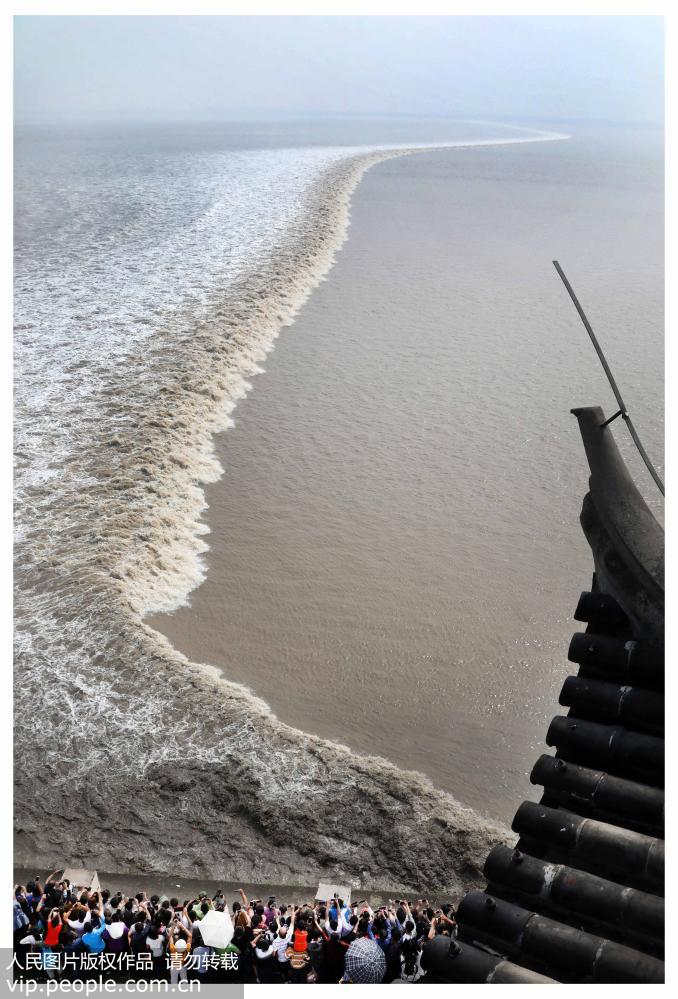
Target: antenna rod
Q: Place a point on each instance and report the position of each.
(623, 412)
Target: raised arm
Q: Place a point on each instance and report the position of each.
(323, 934)
(344, 917)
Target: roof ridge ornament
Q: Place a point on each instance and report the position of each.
(622, 411)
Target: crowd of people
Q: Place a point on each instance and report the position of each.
(63, 931)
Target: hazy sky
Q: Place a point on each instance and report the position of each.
(217, 67)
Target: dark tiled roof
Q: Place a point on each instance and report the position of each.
(580, 896)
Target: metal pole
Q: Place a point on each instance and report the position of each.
(623, 412)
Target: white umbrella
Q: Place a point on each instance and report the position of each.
(216, 929)
(365, 962)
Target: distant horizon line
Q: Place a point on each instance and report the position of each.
(271, 115)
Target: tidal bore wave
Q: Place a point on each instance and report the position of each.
(144, 760)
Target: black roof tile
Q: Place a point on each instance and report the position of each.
(634, 707)
(550, 945)
(618, 750)
(632, 858)
(600, 795)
